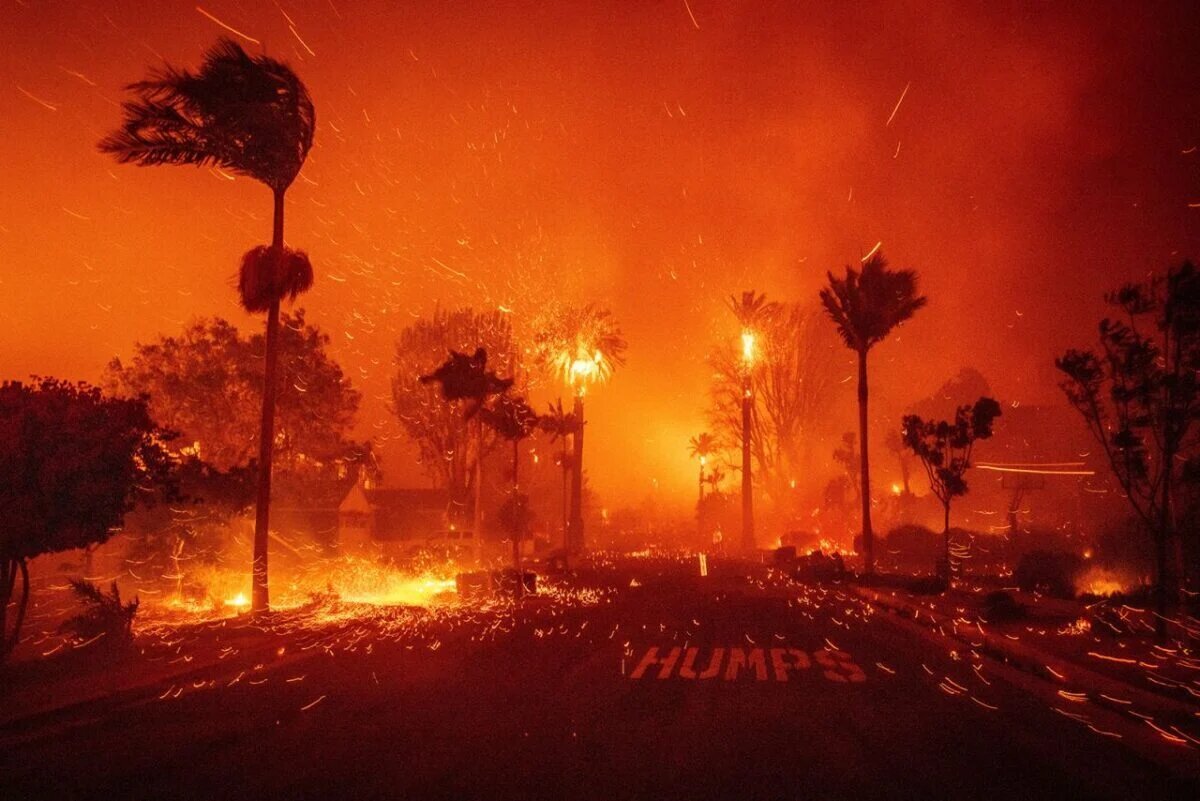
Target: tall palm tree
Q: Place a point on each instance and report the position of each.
(701, 447)
(752, 311)
(250, 115)
(865, 306)
(560, 424)
(466, 378)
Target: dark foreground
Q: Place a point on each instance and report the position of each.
(544, 705)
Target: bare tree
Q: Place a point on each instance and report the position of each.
(797, 382)
(1140, 396)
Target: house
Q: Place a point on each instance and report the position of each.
(396, 518)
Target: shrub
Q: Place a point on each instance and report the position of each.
(1051, 572)
(103, 613)
(926, 585)
(1000, 606)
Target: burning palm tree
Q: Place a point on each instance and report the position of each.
(752, 311)
(582, 345)
(865, 307)
(251, 115)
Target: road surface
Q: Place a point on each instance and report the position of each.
(732, 686)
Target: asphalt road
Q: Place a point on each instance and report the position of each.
(776, 691)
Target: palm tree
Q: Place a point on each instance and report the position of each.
(752, 311)
(466, 378)
(701, 447)
(514, 420)
(250, 115)
(865, 307)
(560, 424)
(582, 345)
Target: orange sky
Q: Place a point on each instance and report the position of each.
(496, 153)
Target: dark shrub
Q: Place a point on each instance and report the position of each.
(912, 545)
(1000, 606)
(816, 566)
(1050, 572)
(926, 585)
(103, 613)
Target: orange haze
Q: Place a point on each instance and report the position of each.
(493, 153)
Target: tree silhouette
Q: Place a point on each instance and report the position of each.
(251, 115)
(1140, 397)
(866, 306)
(752, 311)
(514, 420)
(467, 379)
(701, 447)
(944, 448)
(443, 436)
(205, 383)
(72, 464)
(796, 385)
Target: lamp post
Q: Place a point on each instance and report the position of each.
(575, 524)
(747, 416)
(583, 371)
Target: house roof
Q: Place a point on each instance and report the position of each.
(360, 499)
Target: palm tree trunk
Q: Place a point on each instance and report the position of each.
(563, 468)
(8, 584)
(516, 533)
(867, 534)
(949, 574)
(575, 540)
(747, 479)
(260, 601)
(477, 512)
(8, 572)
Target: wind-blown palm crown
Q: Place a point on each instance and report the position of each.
(250, 115)
(558, 422)
(511, 417)
(702, 446)
(866, 306)
(464, 377)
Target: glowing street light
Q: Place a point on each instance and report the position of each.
(747, 420)
(751, 310)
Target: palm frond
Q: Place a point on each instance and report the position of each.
(251, 115)
(866, 306)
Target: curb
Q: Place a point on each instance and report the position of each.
(1104, 691)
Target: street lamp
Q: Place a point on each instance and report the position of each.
(583, 370)
(747, 415)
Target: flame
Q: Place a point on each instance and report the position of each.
(748, 346)
(1101, 582)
